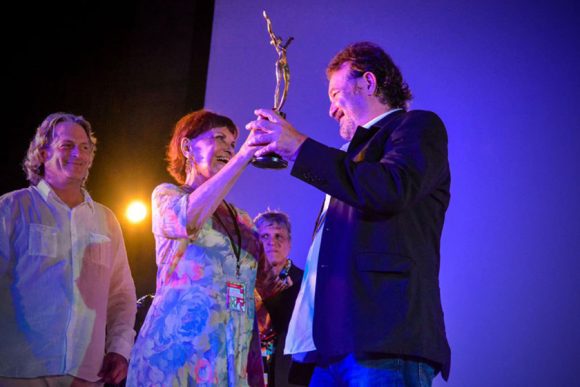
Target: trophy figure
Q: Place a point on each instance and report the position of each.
(273, 160)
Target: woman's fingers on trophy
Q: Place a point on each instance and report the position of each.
(262, 139)
(259, 126)
(267, 114)
(259, 137)
(263, 131)
(271, 147)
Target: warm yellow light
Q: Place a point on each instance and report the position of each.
(136, 211)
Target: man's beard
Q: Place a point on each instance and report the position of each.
(347, 127)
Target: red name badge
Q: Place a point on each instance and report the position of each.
(235, 296)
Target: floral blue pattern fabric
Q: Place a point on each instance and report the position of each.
(189, 337)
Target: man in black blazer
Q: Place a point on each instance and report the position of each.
(369, 310)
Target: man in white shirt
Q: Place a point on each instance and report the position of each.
(67, 298)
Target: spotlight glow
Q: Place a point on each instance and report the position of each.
(136, 211)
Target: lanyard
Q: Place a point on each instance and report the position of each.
(236, 248)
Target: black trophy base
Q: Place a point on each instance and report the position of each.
(270, 161)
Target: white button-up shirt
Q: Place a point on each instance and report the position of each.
(66, 292)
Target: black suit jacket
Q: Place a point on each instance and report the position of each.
(377, 287)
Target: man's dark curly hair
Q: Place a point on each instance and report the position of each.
(368, 57)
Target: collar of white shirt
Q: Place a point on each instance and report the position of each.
(379, 117)
(46, 190)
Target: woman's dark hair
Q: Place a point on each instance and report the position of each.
(191, 126)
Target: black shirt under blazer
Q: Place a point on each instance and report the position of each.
(377, 287)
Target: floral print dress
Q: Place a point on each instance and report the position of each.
(190, 337)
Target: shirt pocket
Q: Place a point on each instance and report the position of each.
(42, 240)
(99, 249)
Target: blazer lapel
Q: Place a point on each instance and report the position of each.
(362, 136)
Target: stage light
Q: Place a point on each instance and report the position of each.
(136, 211)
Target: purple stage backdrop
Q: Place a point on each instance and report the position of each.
(503, 76)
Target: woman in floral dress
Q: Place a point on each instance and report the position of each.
(200, 330)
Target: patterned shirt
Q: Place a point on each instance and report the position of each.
(190, 336)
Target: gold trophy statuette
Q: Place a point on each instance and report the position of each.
(273, 160)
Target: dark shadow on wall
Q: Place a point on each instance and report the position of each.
(132, 68)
